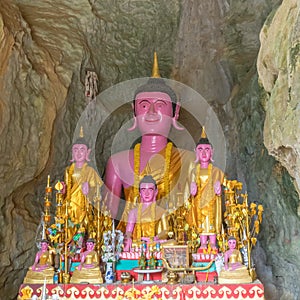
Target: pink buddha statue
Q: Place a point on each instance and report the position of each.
(234, 271)
(82, 182)
(156, 110)
(147, 221)
(206, 208)
(42, 268)
(88, 271)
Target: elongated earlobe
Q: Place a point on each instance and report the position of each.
(212, 154)
(176, 116)
(175, 125)
(134, 126)
(88, 154)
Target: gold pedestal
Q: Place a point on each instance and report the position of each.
(66, 278)
(39, 277)
(92, 276)
(235, 276)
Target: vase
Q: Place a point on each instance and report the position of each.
(109, 273)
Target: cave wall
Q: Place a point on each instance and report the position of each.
(255, 53)
(279, 75)
(278, 70)
(241, 56)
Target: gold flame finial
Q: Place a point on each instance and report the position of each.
(81, 132)
(155, 69)
(59, 186)
(203, 133)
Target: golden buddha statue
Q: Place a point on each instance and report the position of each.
(82, 185)
(234, 271)
(148, 221)
(88, 270)
(206, 206)
(42, 268)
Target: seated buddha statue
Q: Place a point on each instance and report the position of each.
(234, 271)
(88, 271)
(42, 268)
(148, 221)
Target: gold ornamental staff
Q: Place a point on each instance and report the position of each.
(98, 220)
(248, 232)
(66, 273)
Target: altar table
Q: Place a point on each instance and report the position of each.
(162, 291)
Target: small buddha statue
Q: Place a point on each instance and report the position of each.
(148, 221)
(42, 268)
(234, 271)
(81, 185)
(206, 180)
(88, 270)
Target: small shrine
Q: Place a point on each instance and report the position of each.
(171, 242)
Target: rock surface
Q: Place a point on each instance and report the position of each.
(279, 74)
(241, 56)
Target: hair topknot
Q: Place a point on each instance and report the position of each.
(156, 85)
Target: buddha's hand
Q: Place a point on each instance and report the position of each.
(218, 188)
(79, 267)
(85, 187)
(193, 188)
(34, 268)
(127, 244)
(145, 239)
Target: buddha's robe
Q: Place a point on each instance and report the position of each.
(74, 178)
(150, 222)
(172, 196)
(206, 206)
(90, 271)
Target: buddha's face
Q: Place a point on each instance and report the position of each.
(232, 244)
(44, 246)
(80, 152)
(204, 152)
(154, 113)
(90, 245)
(148, 192)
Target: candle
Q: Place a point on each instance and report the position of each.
(44, 290)
(223, 237)
(43, 233)
(113, 226)
(97, 192)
